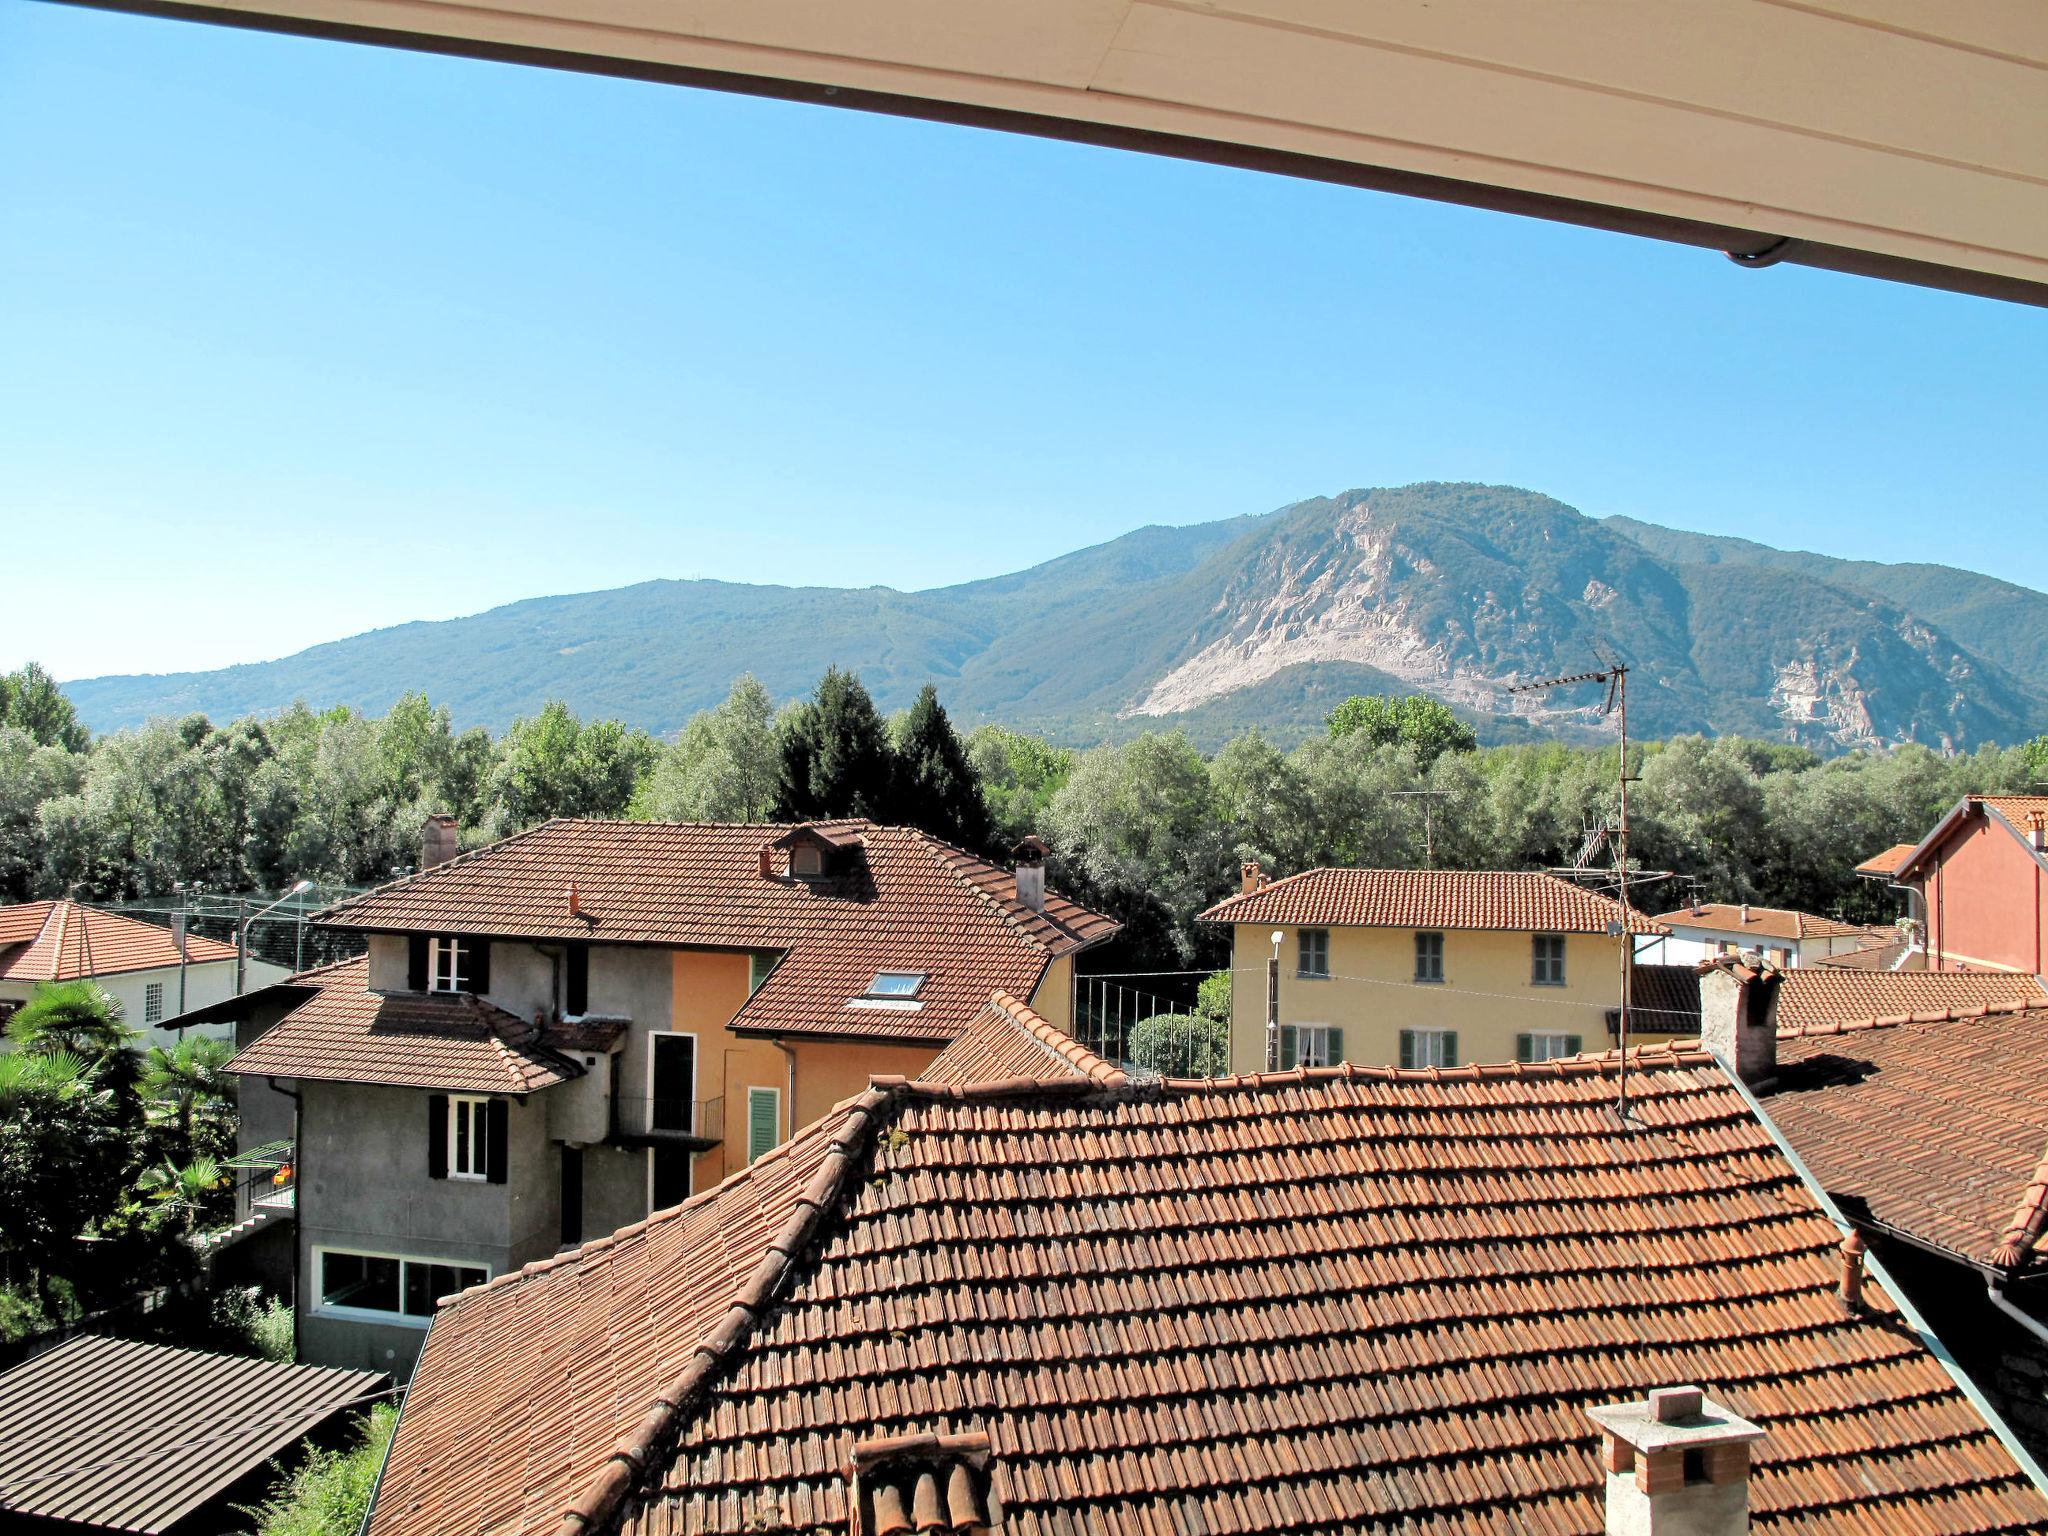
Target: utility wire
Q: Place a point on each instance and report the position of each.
(1505, 997)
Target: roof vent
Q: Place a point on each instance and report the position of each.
(1675, 1463)
(923, 1484)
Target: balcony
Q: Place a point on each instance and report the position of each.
(698, 1124)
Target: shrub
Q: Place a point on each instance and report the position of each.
(329, 1492)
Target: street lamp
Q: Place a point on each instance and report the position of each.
(299, 888)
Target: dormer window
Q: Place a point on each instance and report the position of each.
(806, 861)
(896, 984)
(448, 965)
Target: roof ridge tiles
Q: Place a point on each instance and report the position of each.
(1990, 1008)
(1672, 1054)
(607, 1489)
(2029, 1220)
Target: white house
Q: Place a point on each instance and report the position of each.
(153, 973)
(1709, 928)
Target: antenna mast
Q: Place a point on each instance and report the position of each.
(1615, 676)
(1428, 797)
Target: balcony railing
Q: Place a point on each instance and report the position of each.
(685, 1120)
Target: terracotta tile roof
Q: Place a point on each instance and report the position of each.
(1781, 923)
(907, 902)
(1666, 999)
(345, 1033)
(1517, 900)
(2015, 808)
(1934, 1125)
(1817, 997)
(119, 1435)
(1893, 954)
(1007, 1040)
(1358, 1299)
(67, 940)
(1887, 863)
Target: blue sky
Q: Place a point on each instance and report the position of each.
(298, 339)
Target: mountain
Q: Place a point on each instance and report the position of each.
(1269, 620)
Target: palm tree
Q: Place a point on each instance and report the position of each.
(184, 1188)
(186, 1081)
(82, 1019)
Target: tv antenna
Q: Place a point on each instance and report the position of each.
(1428, 797)
(1615, 675)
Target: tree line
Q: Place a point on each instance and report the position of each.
(1152, 829)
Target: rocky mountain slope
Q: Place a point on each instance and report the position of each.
(1454, 590)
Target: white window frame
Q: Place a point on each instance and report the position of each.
(1437, 1040)
(322, 1308)
(475, 1108)
(654, 1039)
(1320, 1033)
(776, 1094)
(1556, 1043)
(152, 1002)
(452, 955)
(1536, 980)
(899, 994)
(1301, 949)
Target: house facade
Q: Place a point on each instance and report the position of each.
(1977, 884)
(1785, 937)
(1411, 967)
(556, 1035)
(153, 973)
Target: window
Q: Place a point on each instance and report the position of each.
(384, 1285)
(1314, 953)
(764, 1121)
(1547, 959)
(896, 984)
(806, 862)
(468, 1137)
(153, 1003)
(447, 965)
(1429, 1047)
(1429, 957)
(759, 967)
(1545, 1045)
(1311, 1045)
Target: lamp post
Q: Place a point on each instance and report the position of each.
(299, 888)
(1273, 1004)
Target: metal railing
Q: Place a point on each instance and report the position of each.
(664, 1119)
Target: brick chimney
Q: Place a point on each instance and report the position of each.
(438, 840)
(1739, 1017)
(2037, 831)
(1677, 1464)
(1250, 876)
(1029, 857)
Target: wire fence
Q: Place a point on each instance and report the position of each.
(1148, 1019)
(274, 928)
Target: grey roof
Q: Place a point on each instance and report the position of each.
(133, 1437)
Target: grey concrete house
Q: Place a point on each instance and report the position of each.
(553, 1036)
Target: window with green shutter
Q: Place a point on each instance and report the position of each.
(1545, 1045)
(1317, 1045)
(759, 964)
(1429, 1047)
(764, 1120)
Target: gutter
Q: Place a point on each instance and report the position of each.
(1995, 1289)
(1919, 1324)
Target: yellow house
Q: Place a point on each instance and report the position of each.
(1406, 967)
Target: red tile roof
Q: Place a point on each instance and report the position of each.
(1007, 1040)
(1516, 900)
(1886, 863)
(1763, 922)
(1817, 997)
(2013, 809)
(1346, 1299)
(1893, 954)
(346, 1033)
(67, 940)
(905, 902)
(1934, 1125)
(1665, 999)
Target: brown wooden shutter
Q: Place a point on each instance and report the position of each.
(437, 1135)
(497, 1142)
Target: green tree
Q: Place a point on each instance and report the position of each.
(328, 1493)
(31, 702)
(1018, 775)
(30, 775)
(1265, 803)
(82, 1020)
(936, 788)
(1427, 725)
(186, 1090)
(64, 1157)
(835, 755)
(726, 767)
(555, 765)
